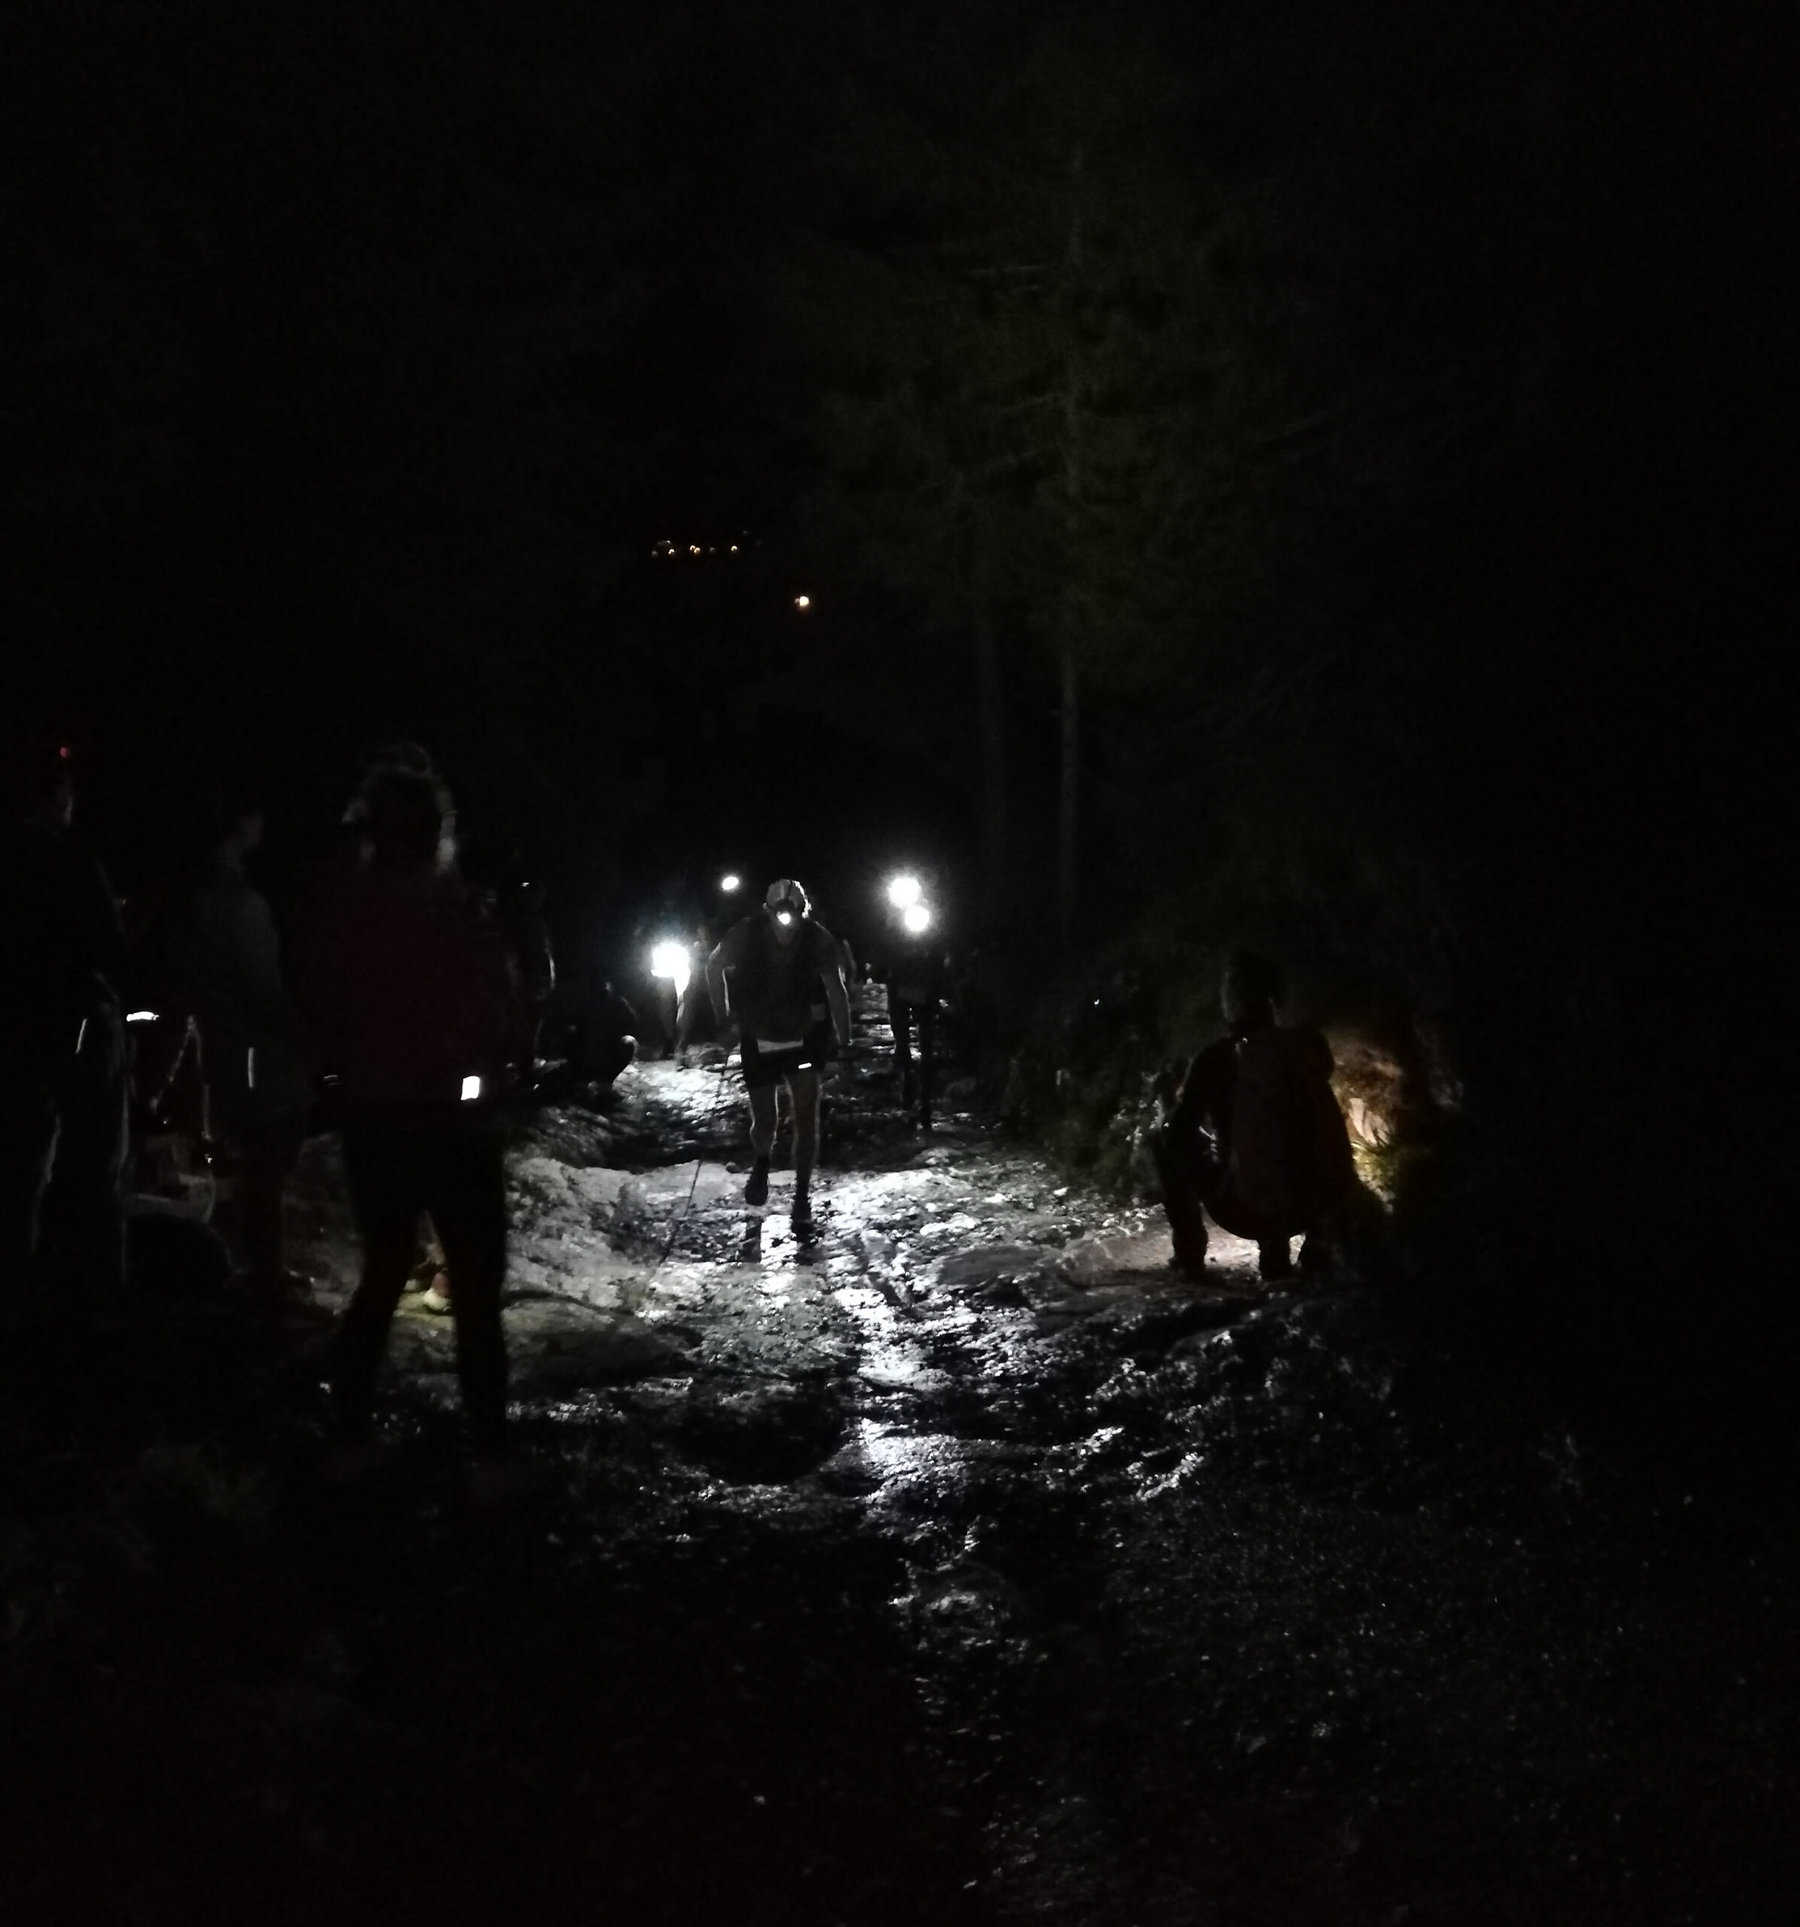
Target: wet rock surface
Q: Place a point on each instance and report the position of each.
(953, 1561)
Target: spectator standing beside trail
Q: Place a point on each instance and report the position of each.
(694, 1018)
(227, 973)
(528, 926)
(407, 986)
(1255, 1135)
(763, 976)
(64, 1131)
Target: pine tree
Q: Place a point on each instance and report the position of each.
(1042, 402)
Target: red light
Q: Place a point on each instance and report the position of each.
(63, 752)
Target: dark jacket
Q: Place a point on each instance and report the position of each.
(773, 985)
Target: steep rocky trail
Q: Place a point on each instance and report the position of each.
(958, 1562)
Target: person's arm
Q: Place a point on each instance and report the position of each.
(1203, 1106)
(832, 977)
(716, 987)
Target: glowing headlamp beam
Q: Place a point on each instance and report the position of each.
(916, 918)
(904, 890)
(671, 960)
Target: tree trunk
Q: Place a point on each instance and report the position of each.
(996, 886)
(1068, 827)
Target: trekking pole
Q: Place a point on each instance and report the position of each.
(681, 1210)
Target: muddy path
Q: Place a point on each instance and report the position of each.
(957, 1562)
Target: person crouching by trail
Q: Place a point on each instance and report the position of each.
(763, 976)
(1255, 1135)
(409, 992)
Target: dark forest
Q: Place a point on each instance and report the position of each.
(1251, 471)
(1182, 476)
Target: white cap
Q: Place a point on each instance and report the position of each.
(785, 890)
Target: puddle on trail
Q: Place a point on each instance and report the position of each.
(979, 1386)
(947, 1281)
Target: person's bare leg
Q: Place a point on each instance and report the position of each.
(803, 1088)
(762, 1142)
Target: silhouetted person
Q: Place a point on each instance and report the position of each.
(528, 928)
(1255, 1135)
(227, 972)
(974, 1009)
(915, 975)
(609, 1039)
(62, 962)
(654, 996)
(407, 987)
(695, 1018)
(763, 976)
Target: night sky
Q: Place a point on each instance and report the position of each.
(370, 352)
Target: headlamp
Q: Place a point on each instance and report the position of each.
(670, 960)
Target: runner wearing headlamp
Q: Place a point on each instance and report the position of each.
(764, 977)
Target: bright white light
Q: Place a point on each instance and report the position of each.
(803, 602)
(140, 1017)
(916, 918)
(784, 917)
(471, 1089)
(671, 960)
(730, 883)
(904, 890)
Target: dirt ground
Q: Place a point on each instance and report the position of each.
(956, 1563)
